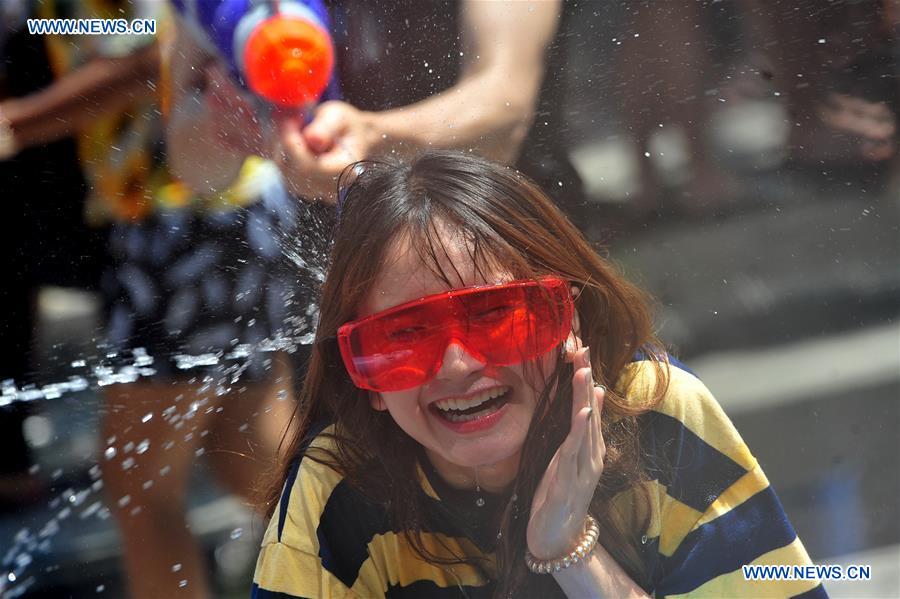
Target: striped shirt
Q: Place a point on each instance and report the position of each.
(711, 512)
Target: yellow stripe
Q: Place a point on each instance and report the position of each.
(690, 402)
(312, 488)
(283, 569)
(426, 484)
(746, 487)
(734, 586)
(677, 518)
(393, 561)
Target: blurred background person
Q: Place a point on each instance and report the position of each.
(188, 274)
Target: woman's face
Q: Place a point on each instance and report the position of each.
(237, 127)
(492, 436)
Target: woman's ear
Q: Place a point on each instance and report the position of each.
(573, 341)
(377, 402)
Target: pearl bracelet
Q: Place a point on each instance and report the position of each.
(584, 548)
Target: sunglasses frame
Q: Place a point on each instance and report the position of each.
(346, 330)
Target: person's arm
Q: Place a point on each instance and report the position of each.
(563, 496)
(74, 101)
(489, 110)
(598, 576)
(492, 106)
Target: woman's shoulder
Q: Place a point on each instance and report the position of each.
(681, 407)
(313, 543)
(316, 498)
(711, 506)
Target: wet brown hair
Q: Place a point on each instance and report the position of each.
(506, 220)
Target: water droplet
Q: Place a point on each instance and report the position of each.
(11, 576)
(176, 567)
(643, 539)
(124, 500)
(127, 463)
(236, 533)
(147, 417)
(101, 588)
(182, 584)
(143, 446)
(480, 502)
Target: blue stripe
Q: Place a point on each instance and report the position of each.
(311, 434)
(643, 355)
(259, 593)
(817, 592)
(428, 588)
(286, 496)
(732, 540)
(693, 471)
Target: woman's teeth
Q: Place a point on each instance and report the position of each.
(462, 410)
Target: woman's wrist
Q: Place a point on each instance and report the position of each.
(598, 575)
(579, 550)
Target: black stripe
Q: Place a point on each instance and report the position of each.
(734, 539)
(694, 472)
(350, 520)
(347, 524)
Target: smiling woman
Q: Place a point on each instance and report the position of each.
(488, 413)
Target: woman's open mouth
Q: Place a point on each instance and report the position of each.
(480, 406)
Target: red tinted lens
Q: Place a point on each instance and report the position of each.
(507, 324)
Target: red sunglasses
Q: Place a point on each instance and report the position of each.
(403, 347)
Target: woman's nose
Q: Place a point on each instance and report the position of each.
(458, 362)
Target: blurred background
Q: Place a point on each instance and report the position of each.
(738, 159)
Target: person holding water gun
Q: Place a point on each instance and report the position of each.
(459, 75)
(198, 269)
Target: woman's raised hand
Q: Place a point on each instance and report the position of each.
(564, 494)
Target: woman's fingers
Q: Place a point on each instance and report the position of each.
(570, 449)
(599, 443)
(585, 452)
